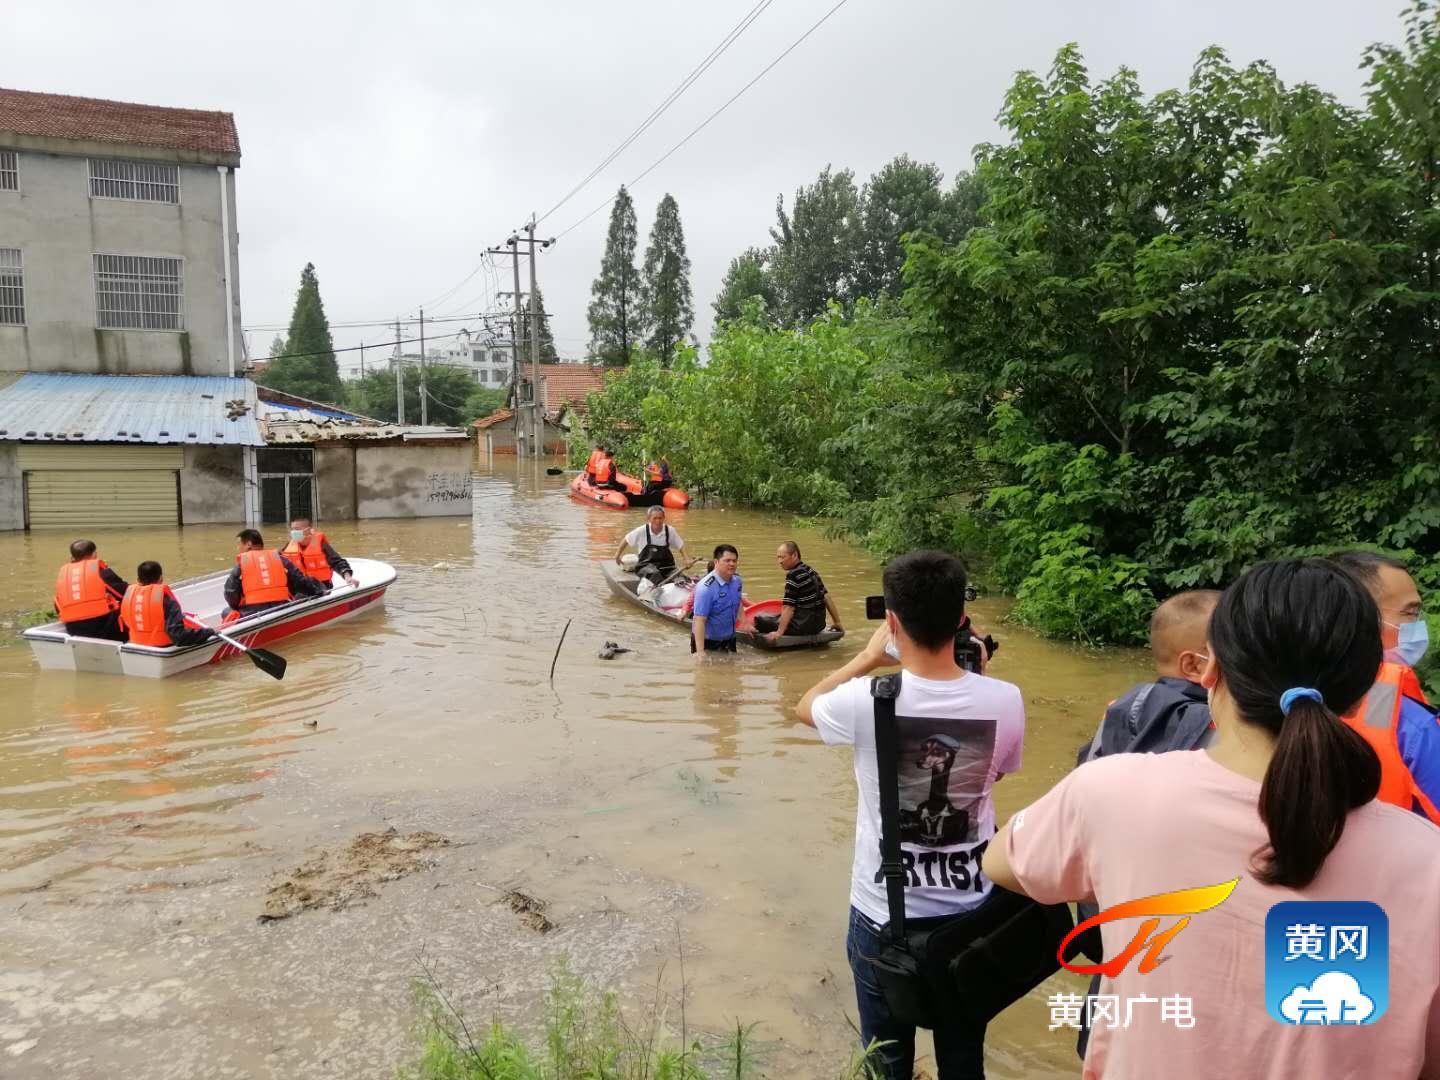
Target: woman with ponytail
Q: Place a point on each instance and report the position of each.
(1282, 804)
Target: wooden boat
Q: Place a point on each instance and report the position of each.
(203, 597)
(581, 490)
(627, 585)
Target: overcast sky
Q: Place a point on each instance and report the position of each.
(390, 144)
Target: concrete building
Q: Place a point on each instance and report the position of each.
(116, 450)
(492, 365)
(336, 466)
(565, 389)
(117, 238)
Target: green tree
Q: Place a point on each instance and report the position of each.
(903, 197)
(449, 390)
(307, 367)
(817, 245)
(548, 355)
(617, 319)
(277, 346)
(665, 288)
(747, 278)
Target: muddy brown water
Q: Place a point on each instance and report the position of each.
(670, 816)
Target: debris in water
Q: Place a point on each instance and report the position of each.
(611, 650)
(335, 881)
(530, 910)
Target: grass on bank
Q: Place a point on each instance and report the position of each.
(585, 1036)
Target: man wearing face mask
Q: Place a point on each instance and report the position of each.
(1394, 717)
(311, 552)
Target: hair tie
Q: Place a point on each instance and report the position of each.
(1295, 693)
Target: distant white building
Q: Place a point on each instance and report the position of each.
(491, 365)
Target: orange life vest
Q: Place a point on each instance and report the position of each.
(142, 613)
(311, 560)
(1377, 717)
(81, 593)
(604, 470)
(654, 473)
(594, 462)
(262, 578)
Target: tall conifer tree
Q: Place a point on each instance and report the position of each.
(308, 368)
(668, 305)
(617, 321)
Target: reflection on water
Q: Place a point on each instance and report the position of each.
(691, 772)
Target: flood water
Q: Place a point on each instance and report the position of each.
(671, 813)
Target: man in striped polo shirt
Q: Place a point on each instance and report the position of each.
(806, 599)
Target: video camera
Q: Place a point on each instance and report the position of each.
(967, 649)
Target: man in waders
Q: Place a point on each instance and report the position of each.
(657, 543)
(958, 733)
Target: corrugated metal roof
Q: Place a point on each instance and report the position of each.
(292, 429)
(140, 409)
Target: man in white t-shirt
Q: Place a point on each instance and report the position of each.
(959, 732)
(656, 542)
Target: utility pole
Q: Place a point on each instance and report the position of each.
(522, 428)
(424, 411)
(399, 378)
(521, 423)
(362, 359)
(537, 410)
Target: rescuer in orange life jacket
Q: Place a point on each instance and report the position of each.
(264, 579)
(151, 614)
(311, 552)
(1394, 717)
(88, 595)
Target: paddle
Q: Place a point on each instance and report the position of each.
(273, 664)
(677, 571)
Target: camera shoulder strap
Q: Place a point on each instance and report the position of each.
(884, 690)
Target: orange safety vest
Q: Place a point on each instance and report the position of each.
(654, 473)
(262, 578)
(311, 560)
(594, 462)
(142, 613)
(604, 470)
(81, 593)
(1377, 717)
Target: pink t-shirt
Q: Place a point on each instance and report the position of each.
(1134, 825)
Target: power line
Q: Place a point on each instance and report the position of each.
(706, 122)
(354, 348)
(674, 96)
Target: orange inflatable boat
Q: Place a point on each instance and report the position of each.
(582, 490)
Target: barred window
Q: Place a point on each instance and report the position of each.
(148, 181)
(138, 292)
(9, 171)
(12, 288)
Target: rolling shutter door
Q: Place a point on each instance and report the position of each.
(101, 486)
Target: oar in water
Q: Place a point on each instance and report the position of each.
(273, 664)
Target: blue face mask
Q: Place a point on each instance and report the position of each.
(1413, 641)
(296, 535)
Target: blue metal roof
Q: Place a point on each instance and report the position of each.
(139, 409)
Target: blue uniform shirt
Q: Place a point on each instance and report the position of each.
(1418, 734)
(720, 604)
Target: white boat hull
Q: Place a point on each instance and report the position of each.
(203, 597)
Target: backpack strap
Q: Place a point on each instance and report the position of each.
(884, 690)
